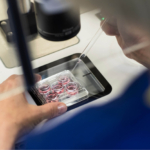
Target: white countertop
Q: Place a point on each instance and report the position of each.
(117, 69)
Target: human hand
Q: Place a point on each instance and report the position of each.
(18, 117)
(127, 35)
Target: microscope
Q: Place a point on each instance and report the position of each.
(54, 20)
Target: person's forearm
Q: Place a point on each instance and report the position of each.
(8, 135)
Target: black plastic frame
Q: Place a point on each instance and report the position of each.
(94, 70)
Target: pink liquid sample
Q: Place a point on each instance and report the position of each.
(58, 87)
(43, 89)
(72, 88)
(52, 97)
(64, 80)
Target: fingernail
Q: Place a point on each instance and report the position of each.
(62, 108)
(37, 77)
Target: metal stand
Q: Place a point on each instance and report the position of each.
(29, 26)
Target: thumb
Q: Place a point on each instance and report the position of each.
(52, 110)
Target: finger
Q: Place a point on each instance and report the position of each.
(11, 83)
(110, 29)
(120, 42)
(37, 77)
(51, 110)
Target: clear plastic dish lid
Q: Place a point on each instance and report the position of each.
(62, 87)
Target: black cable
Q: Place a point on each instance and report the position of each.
(21, 44)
